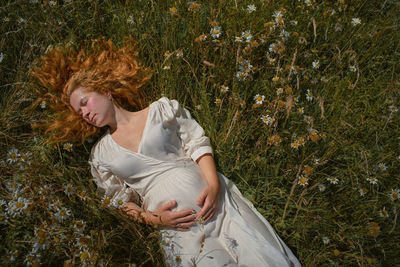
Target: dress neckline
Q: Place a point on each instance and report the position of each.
(141, 138)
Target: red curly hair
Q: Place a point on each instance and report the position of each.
(104, 69)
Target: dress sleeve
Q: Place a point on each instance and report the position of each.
(194, 141)
(110, 185)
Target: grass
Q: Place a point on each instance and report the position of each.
(349, 126)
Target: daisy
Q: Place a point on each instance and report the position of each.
(275, 79)
(259, 98)
(39, 244)
(251, 8)
(3, 218)
(278, 17)
(294, 22)
(372, 180)
(52, 3)
(272, 61)
(309, 95)
(325, 240)
(242, 75)
(313, 134)
(363, 191)
(216, 32)
(238, 39)
(267, 119)
(32, 259)
(173, 10)
(82, 195)
(355, 21)
(62, 214)
(393, 109)
(333, 180)
(79, 226)
(315, 64)
(44, 190)
(179, 53)
(382, 166)
(43, 104)
(279, 91)
(224, 89)
(202, 37)
(68, 147)
(218, 101)
(106, 201)
(119, 204)
(284, 34)
(301, 141)
(308, 119)
(308, 2)
(69, 189)
(353, 68)
(12, 155)
(130, 20)
(167, 53)
(383, 213)
(247, 35)
(276, 139)
(303, 181)
(273, 47)
(395, 194)
(16, 207)
(246, 66)
(84, 255)
(294, 145)
(26, 158)
(321, 187)
(193, 6)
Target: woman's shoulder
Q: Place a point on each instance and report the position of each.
(167, 107)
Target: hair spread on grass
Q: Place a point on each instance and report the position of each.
(104, 69)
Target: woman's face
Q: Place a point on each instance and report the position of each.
(96, 109)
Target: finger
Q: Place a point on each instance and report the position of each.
(184, 225)
(203, 211)
(211, 216)
(201, 198)
(183, 213)
(168, 205)
(207, 216)
(189, 218)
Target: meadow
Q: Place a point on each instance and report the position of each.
(299, 98)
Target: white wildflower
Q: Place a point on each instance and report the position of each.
(251, 8)
(355, 21)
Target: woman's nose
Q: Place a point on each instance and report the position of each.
(85, 113)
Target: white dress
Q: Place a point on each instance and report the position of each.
(164, 169)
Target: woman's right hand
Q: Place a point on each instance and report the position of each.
(180, 220)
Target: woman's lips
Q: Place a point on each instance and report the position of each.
(93, 118)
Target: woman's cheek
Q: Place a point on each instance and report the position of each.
(90, 105)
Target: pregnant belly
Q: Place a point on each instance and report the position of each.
(182, 184)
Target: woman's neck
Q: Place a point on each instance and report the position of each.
(121, 117)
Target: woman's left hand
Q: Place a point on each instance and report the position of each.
(208, 200)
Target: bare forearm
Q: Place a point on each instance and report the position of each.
(208, 169)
